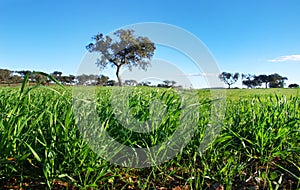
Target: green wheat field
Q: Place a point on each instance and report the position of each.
(42, 148)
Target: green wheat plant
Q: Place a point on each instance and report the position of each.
(43, 148)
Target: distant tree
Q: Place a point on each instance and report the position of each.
(72, 79)
(246, 80)
(14, 79)
(263, 79)
(131, 82)
(229, 78)
(82, 79)
(88, 79)
(250, 81)
(65, 80)
(276, 81)
(273, 80)
(172, 83)
(294, 85)
(167, 83)
(91, 79)
(102, 80)
(145, 83)
(160, 85)
(57, 75)
(23, 73)
(126, 50)
(4, 75)
(37, 78)
(111, 83)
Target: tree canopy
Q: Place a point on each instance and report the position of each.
(276, 81)
(126, 50)
(250, 81)
(273, 81)
(229, 78)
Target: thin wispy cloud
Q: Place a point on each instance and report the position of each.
(286, 58)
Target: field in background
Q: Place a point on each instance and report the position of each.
(258, 146)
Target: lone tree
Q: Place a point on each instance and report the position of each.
(229, 78)
(124, 50)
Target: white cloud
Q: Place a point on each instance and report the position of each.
(286, 58)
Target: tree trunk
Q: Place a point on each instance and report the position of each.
(118, 75)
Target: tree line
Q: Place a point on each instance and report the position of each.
(252, 81)
(8, 77)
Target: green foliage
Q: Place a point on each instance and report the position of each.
(123, 50)
(229, 78)
(273, 80)
(42, 147)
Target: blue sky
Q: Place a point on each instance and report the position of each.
(246, 36)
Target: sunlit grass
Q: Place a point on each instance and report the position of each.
(41, 145)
